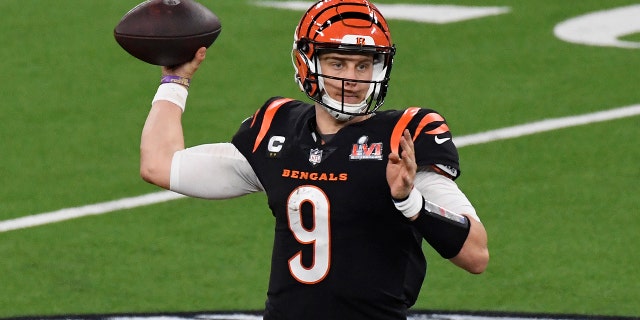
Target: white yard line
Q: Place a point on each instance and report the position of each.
(473, 139)
(88, 210)
(546, 125)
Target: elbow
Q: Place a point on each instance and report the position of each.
(146, 173)
(474, 255)
(473, 261)
(480, 266)
(154, 173)
(479, 263)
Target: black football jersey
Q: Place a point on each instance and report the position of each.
(341, 249)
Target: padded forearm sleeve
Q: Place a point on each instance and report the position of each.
(444, 230)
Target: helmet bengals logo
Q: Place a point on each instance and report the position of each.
(363, 150)
(360, 40)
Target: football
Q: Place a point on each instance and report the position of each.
(167, 32)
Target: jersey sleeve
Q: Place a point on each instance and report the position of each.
(432, 139)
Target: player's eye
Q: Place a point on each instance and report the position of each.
(363, 66)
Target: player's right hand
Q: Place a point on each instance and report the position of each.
(188, 69)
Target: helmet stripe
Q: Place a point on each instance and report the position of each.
(344, 16)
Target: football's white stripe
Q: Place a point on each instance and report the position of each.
(473, 139)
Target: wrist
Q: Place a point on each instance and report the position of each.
(396, 200)
(172, 92)
(411, 205)
(186, 82)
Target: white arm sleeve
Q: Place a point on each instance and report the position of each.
(213, 171)
(444, 192)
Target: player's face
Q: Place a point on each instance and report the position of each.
(347, 66)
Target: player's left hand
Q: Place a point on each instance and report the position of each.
(401, 169)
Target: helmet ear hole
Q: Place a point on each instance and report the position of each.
(303, 45)
(310, 86)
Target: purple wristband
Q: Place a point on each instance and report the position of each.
(176, 79)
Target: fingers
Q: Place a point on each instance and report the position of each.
(407, 141)
(394, 158)
(408, 158)
(188, 69)
(200, 55)
(408, 150)
(401, 169)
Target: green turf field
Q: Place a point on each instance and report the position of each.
(561, 208)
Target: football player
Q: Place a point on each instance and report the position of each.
(354, 190)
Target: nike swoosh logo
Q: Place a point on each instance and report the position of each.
(441, 141)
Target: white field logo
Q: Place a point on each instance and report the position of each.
(599, 28)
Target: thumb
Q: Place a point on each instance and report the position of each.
(187, 69)
(200, 55)
(394, 158)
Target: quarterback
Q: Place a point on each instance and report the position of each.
(354, 190)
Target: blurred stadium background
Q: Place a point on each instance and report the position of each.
(560, 207)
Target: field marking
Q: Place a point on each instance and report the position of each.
(602, 28)
(546, 125)
(88, 210)
(426, 13)
(462, 141)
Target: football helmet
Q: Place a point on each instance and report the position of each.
(345, 26)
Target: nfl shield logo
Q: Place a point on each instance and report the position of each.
(315, 156)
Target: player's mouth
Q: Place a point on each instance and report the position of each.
(350, 97)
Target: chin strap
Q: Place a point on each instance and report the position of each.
(333, 105)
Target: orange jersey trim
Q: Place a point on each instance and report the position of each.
(269, 113)
(404, 120)
(429, 118)
(400, 126)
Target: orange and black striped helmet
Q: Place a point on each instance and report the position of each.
(349, 26)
